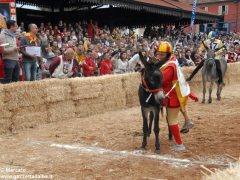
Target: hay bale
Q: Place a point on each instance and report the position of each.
(5, 125)
(4, 112)
(59, 111)
(115, 95)
(231, 173)
(24, 94)
(88, 107)
(130, 85)
(232, 75)
(85, 88)
(28, 117)
(57, 90)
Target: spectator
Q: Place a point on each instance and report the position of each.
(188, 58)
(232, 56)
(105, 65)
(64, 66)
(10, 52)
(80, 54)
(30, 60)
(122, 64)
(182, 59)
(89, 66)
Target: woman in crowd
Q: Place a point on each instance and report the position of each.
(105, 65)
(122, 63)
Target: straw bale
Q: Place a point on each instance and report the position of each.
(4, 112)
(5, 124)
(27, 117)
(112, 84)
(130, 85)
(233, 71)
(1, 96)
(59, 111)
(57, 90)
(91, 106)
(24, 94)
(84, 88)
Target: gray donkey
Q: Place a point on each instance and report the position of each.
(209, 73)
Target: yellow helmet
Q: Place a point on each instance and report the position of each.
(165, 47)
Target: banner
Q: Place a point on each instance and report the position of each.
(193, 12)
(7, 12)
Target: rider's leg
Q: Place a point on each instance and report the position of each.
(199, 66)
(219, 71)
(188, 122)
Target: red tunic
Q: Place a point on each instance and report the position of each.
(88, 63)
(105, 67)
(169, 76)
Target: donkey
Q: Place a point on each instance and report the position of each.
(209, 73)
(151, 96)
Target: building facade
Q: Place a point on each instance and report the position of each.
(228, 9)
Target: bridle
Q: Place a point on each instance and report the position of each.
(147, 89)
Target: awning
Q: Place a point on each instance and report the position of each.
(177, 11)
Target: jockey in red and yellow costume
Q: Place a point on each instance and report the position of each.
(173, 101)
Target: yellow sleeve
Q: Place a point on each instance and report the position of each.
(220, 44)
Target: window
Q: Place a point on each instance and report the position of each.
(206, 8)
(223, 10)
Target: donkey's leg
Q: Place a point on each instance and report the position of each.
(156, 129)
(151, 116)
(204, 87)
(219, 90)
(145, 126)
(210, 91)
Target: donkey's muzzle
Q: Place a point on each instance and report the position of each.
(159, 97)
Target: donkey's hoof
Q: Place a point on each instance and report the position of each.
(210, 101)
(219, 98)
(143, 147)
(148, 134)
(157, 151)
(203, 101)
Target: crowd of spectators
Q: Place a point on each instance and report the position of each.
(86, 49)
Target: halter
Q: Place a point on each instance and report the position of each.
(146, 88)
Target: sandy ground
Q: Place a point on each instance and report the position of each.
(106, 146)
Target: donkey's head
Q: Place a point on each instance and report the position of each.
(210, 58)
(151, 77)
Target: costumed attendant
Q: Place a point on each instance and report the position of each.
(188, 124)
(172, 79)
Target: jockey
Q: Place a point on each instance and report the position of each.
(214, 44)
(168, 68)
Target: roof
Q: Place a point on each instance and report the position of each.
(172, 8)
(174, 4)
(216, 1)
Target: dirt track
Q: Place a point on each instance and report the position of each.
(42, 151)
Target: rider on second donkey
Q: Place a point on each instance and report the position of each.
(215, 44)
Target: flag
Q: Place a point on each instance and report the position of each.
(193, 12)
